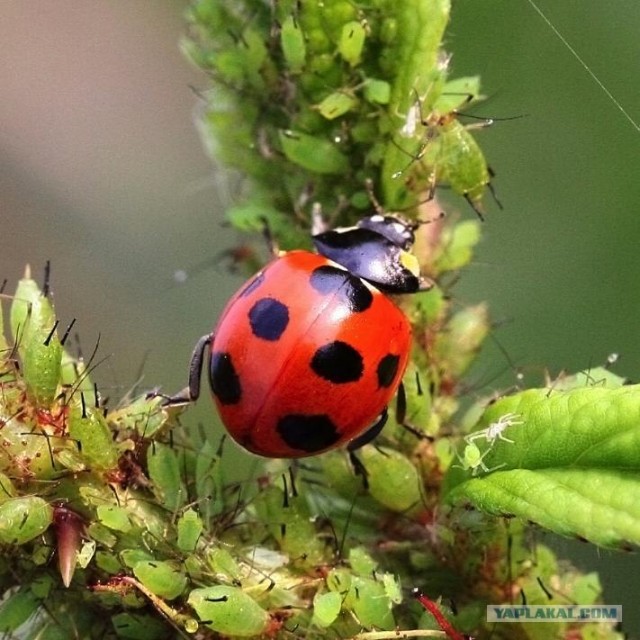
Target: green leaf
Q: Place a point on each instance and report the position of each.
(17, 609)
(138, 627)
(572, 464)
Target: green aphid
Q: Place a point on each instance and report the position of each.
(392, 478)
(443, 149)
(90, 430)
(452, 156)
(351, 42)
(229, 611)
(163, 578)
(23, 519)
(190, 528)
(34, 325)
(472, 459)
(337, 104)
(315, 154)
(293, 44)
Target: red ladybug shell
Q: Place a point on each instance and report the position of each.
(305, 357)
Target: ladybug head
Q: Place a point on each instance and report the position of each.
(376, 250)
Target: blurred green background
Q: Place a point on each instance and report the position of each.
(104, 174)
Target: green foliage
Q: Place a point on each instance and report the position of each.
(309, 91)
(579, 445)
(152, 539)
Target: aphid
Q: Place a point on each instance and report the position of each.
(447, 152)
(472, 459)
(495, 430)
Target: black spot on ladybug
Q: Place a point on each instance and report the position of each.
(269, 318)
(338, 362)
(252, 286)
(224, 380)
(310, 433)
(353, 292)
(387, 369)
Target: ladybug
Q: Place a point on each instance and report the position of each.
(308, 353)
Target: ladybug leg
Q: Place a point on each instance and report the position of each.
(401, 415)
(192, 392)
(368, 436)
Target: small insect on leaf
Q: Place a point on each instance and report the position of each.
(337, 104)
(581, 446)
(190, 527)
(351, 42)
(33, 324)
(377, 91)
(22, 519)
(229, 611)
(495, 430)
(472, 459)
(89, 429)
(293, 45)
(114, 517)
(164, 471)
(313, 153)
(370, 604)
(393, 479)
(326, 608)
(164, 579)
